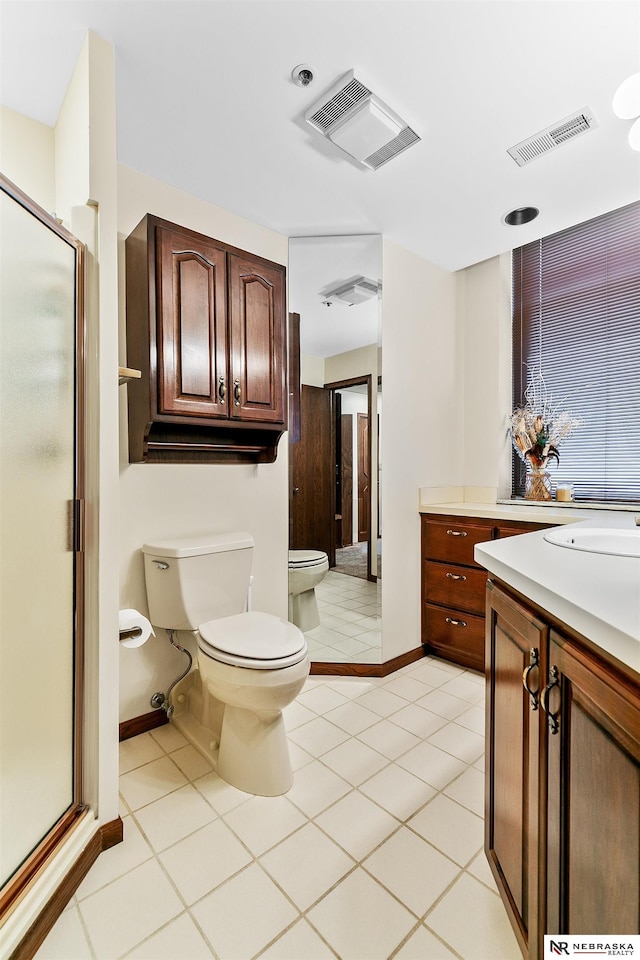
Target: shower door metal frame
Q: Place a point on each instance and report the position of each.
(59, 830)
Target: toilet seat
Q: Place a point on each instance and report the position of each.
(306, 558)
(258, 641)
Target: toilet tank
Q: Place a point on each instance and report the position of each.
(194, 579)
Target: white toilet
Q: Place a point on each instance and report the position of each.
(250, 665)
(307, 568)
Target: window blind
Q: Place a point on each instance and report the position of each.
(576, 321)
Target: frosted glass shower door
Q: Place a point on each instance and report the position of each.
(39, 585)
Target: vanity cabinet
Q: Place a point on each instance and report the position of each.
(453, 584)
(206, 325)
(562, 818)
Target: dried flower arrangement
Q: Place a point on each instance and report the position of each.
(538, 427)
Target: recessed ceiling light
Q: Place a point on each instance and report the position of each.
(515, 218)
(626, 102)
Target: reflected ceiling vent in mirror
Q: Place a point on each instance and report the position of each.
(358, 122)
(554, 136)
(356, 291)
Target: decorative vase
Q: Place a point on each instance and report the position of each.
(537, 484)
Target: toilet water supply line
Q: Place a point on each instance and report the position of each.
(161, 700)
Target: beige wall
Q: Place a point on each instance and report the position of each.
(484, 297)
(422, 424)
(311, 370)
(171, 500)
(27, 156)
(86, 198)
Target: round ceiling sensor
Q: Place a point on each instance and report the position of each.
(302, 75)
(515, 218)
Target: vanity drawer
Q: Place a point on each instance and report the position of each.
(454, 635)
(461, 588)
(453, 542)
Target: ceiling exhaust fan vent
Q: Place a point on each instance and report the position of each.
(395, 146)
(339, 104)
(554, 136)
(356, 291)
(358, 122)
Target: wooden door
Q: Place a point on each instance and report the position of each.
(516, 642)
(593, 881)
(346, 490)
(258, 339)
(191, 287)
(311, 502)
(364, 483)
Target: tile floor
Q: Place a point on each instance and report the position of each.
(349, 630)
(375, 852)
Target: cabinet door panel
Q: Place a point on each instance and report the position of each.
(512, 821)
(594, 799)
(258, 335)
(192, 326)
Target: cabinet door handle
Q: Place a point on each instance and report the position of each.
(236, 392)
(552, 716)
(222, 390)
(455, 623)
(534, 661)
(455, 576)
(457, 533)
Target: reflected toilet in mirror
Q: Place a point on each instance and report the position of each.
(335, 290)
(307, 569)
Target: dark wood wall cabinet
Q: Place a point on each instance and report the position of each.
(206, 325)
(453, 584)
(562, 827)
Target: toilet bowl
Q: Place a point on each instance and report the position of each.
(307, 568)
(250, 665)
(256, 664)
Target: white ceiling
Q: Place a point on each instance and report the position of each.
(206, 102)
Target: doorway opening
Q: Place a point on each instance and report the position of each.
(354, 535)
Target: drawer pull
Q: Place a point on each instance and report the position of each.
(455, 623)
(455, 576)
(457, 533)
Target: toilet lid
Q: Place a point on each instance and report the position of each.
(257, 640)
(306, 558)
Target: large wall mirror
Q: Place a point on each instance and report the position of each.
(335, 287)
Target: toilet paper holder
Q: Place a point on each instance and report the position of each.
(134, 628)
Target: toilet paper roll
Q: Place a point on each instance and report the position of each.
(135, 629)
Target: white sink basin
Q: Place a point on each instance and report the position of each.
(619, 543)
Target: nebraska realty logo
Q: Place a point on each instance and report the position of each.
(589, 946)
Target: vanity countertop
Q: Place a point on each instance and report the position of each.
(595, 594)
(514, 510)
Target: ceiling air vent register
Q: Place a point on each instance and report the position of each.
(355, 291)
(554, 136)
(358, 122)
